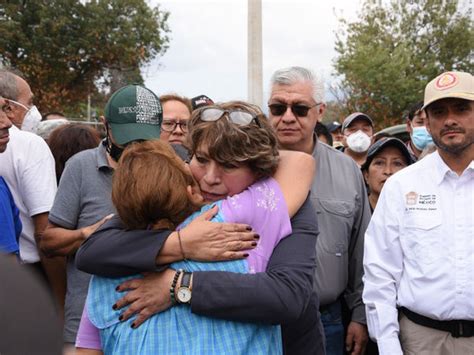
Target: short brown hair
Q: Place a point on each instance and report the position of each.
(255, 144)
(150, 184)
(174, 97)
(67, 140)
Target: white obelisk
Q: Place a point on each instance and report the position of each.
(254, 61)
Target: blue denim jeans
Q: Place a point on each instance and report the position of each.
(331, 317)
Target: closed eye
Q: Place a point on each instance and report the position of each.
(201, 160)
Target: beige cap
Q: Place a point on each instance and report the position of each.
(450, 84)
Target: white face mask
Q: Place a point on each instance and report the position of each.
(358, 142)
(31, 121)
(32, 117)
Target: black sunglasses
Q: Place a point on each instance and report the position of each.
(238, 117)
(298, 110)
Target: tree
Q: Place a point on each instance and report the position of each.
(69, 49)
(389, 54)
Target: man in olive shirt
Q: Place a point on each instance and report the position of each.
(340, 203)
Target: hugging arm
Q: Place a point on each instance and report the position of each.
(295, 186)
(113, 251)
(279, 295)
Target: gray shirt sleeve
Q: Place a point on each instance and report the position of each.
(353, 292)
(67, 203)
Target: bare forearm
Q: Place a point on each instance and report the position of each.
(55, 270)
(170, 251)
(57, 241)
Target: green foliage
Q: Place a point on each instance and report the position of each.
(335, 111)
(69, 49)
(389, 54)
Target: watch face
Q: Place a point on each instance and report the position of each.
(183, 295)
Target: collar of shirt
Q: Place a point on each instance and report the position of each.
(442, 169)
(101, 155)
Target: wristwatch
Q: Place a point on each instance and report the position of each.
(183, 294)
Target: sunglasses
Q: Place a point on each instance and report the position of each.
(170, 125)
(298, 110)
(238, 117)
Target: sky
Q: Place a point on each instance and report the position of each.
(207, 51)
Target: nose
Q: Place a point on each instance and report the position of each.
(177, 130)
(288, 116)
(388, 171)
(5, 123)
(450, 119)
(213, 174)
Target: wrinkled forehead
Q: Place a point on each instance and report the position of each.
(292, 93)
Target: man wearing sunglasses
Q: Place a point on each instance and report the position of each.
(340, 202)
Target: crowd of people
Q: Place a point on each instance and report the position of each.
(193, 227)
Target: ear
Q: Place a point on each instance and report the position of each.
(344, 140)
(103, 120)
(409, 127)
(366, 176)
(194, 195)
(321, 109)
(427, 122)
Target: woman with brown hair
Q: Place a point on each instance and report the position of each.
(67, 140)
(234, 157)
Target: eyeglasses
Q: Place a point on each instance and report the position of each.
(298, 110)
(170, 125)
(238, 117)
(7, 108)
(18, 104)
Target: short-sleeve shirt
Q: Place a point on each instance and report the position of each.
(28, 167)
(263, 207)
(83, 198)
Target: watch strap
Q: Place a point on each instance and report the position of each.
(184, 284)
(186, 279)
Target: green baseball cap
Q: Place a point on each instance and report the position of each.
(134, 113)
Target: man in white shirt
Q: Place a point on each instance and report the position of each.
(419, 246)
(28, 167)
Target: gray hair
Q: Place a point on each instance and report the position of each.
(8, 85)
(293, 75)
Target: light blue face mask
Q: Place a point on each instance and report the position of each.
(421, 137)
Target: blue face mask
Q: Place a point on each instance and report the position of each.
(421, 137)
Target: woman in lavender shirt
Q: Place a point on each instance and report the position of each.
(237, 140)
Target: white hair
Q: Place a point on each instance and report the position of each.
(293, 75)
